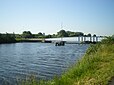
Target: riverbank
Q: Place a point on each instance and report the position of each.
(29, 40)
(95, 68)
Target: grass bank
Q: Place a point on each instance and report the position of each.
(95, 68)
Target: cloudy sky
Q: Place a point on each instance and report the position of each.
(88, 16)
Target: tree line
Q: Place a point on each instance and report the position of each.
(7, 38)
(61, 33)
(10, 38)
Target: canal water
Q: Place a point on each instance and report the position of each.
(44, 60)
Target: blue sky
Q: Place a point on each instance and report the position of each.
(88, 16)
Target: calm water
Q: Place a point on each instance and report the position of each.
(42, 59)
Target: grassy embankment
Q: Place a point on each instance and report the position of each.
(95, 68)
(29, 40)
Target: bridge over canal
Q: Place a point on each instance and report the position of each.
(80, 39)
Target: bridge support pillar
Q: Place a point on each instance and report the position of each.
(79, 39)
(93, 39)
(90, 38)
(96, 39)
(84, 38)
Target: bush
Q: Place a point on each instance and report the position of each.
(108, 40)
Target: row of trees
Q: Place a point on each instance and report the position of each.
(10, 38)
(7, 38)
(61, 33)
(28, 34)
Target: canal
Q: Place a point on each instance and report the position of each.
(44, 60)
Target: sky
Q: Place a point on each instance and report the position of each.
(87, 16)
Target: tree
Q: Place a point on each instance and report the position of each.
(54, 36)
(89, 35)
(27, 34)
(62, 33)
(79, 34)
(94, 35)
(41, 35)
(7, 38)
(113, 37)
(74, 34)
(18, 36)
(48, 36)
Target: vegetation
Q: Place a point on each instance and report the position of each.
(95, 68)
(109, 41)
(26, 35)
(7, 38)
(74, 34)
(61, 33)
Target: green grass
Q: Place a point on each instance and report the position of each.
(19, 39)
(95, 68)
